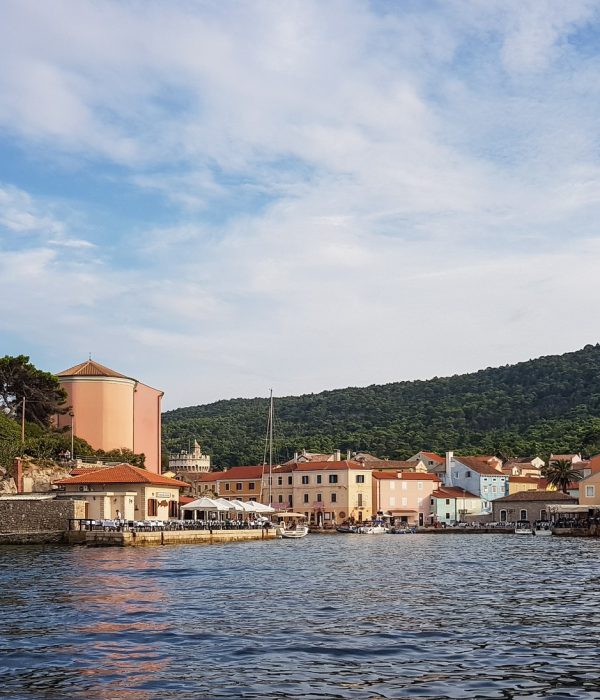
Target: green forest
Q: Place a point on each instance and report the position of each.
(550, 404)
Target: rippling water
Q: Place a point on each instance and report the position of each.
(425, 616)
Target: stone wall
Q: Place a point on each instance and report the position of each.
(144, 539)
(39, 515)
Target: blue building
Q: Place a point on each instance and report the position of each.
(478, 476)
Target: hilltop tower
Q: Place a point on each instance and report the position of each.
(113, 411)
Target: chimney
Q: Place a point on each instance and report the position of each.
(337, 456)
(449, 458)
(347, 454)
(295, 456)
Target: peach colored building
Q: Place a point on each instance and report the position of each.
(112, 411)
(404, 495)
(126, 492)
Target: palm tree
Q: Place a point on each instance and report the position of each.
(561, 473)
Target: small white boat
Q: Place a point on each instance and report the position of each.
(291, 526)
(372, 529)
(523, 527)
(542, 528)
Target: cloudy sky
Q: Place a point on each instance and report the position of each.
(222, 197)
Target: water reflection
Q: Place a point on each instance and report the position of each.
(341, 617)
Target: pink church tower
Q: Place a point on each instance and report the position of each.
(112, 411)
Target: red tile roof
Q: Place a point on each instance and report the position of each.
(335, 466)
(121, 474)
(537, 495)
(255, 472)
(479, 465)
(398, 464)
(90, 368)
(87, 470)
(452, 492)
(405, 476)
(433, 457)
(209, 476)
(524, 480)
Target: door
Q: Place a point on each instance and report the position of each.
(420, 519)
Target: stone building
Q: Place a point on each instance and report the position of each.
(528, 505)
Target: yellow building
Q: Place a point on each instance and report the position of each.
(326, 492)
(516, 484)
(125, 492)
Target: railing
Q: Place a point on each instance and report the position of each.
(113, 525)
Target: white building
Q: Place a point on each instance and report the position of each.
(193, 461)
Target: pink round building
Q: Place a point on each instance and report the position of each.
(112, 411)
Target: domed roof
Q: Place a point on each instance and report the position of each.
(90, 368)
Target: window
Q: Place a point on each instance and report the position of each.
(305, 498)
(447, 501)
(590, 491)
(333, 478)
(251, 486)
(404, 485)
(279, 481)
(289, 480)
(334, 497)
(503, 516)
(305, 479)
(319, 478)
(392, 501)
(431, 502)
(319, 497)
(420, 485)
(447, 516)
(226, 487)
(238, 486)
(360, 500)
(523, 514)
(404, 501)
(360, 478)
(468, 474)
(543, 514)
(173, 509)
(280, 499)
(392, 485)
(152, 506)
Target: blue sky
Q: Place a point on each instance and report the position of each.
(223, 197)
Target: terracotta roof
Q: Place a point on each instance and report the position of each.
(334, 466)
(566, 458)
(88, 469)
(121, 474)
(524, 480)
(90, 368)
(433, 456)
(183, 500)
(537, 495)
(209, 476)
(394, 464)
(452, 492)
(405, 476)
(311, 457)
(255, 472)
(479, 465)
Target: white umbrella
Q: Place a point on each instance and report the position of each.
(262, 508)
(230, 505)
(247, 506)
(205, 503)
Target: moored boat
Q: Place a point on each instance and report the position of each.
(523, 527)
(542, 528)
(291, 526)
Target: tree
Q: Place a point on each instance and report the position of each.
(561, 473)
(19, 379)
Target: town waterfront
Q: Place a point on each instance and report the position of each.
(494, 616)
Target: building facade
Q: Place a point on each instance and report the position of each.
(476, 475)
(125, 492)
(111, 411)
(453, 505)
(528, 505)
(406, 496)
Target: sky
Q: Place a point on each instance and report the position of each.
(218, 198)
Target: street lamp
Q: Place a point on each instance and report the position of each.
(72, 428)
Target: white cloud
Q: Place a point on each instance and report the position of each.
(349, 195)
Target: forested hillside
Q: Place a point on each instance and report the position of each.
(551, 404)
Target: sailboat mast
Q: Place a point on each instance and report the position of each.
(271, 449)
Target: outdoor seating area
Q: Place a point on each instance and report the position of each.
(168, 525)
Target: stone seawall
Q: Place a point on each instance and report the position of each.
(44, 515)
(149, 539)
(465, 531)
(26, 538)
